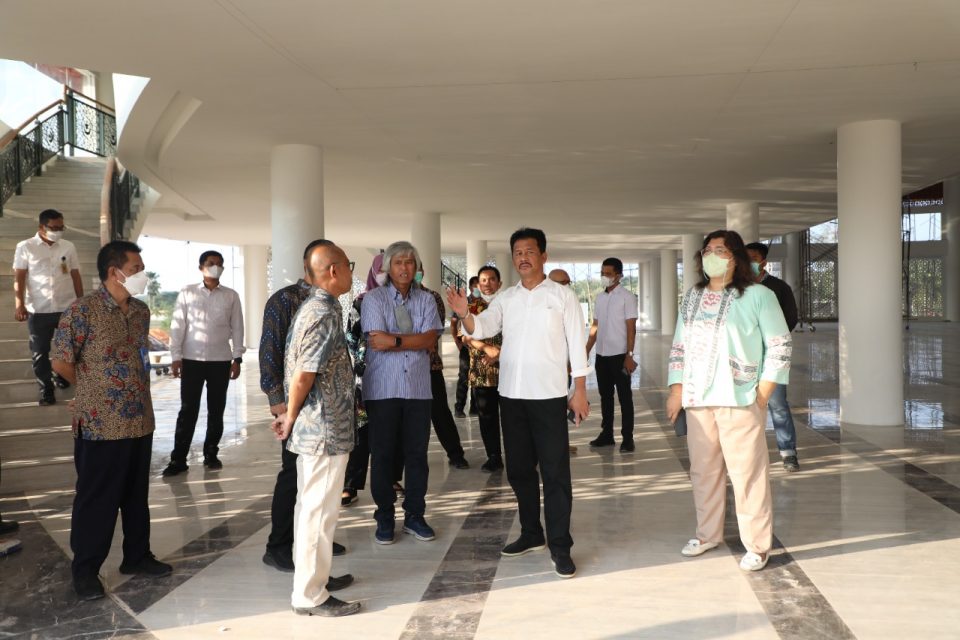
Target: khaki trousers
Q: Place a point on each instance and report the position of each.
(319, 483)
(731, 439)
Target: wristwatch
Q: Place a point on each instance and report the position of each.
(398, 341)
(237, 360)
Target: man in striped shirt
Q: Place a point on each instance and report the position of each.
(401, 322)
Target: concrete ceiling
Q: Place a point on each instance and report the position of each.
(613, 124)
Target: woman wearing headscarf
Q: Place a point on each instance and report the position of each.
(730, 350)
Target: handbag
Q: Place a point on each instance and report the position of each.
(680, 424)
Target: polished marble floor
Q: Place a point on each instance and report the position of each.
(868, 532)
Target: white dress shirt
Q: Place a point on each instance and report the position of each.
(204, 323)
(542, 330)
(49, 283)
(612, 311)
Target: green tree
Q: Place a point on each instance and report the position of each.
(153, 288)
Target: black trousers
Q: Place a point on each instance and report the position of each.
(609, 376)
(398, 424)
(194, 374)
(442, 419)
(488, 408)
(41, 327)
(463, 382)
(535, 432)
(359, 462)
(112, 475)
(280, 539)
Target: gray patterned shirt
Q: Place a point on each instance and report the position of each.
(316, 343)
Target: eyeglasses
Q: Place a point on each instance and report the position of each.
(720, 252)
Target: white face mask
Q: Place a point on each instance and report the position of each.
(381, 278)
(53, 236)
(135, 284)
(715, 266)
(488, 298)
(213, 271)
(476, 292)
(607, 282)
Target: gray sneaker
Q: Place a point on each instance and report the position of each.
(791, 464)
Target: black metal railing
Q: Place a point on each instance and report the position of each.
(124, 191)
(451, 278)
(75, 122)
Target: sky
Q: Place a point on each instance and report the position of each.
(177, 262)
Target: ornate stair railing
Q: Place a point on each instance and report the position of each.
(75, 122)
(451, 278)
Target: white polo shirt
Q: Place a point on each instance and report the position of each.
(542, 329)
(49, 284)
(612, 310)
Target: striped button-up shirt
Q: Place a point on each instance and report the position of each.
(398, 374)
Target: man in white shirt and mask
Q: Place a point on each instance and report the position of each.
(46, 280)
(206, 319)
(542, 326)
(613, 331)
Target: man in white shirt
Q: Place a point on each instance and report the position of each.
(206, 319)
(614, 330)
(47, 280)
(542, 327)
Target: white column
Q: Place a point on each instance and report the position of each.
(691, 247)
(296, 208)
(505, 265)
(871, 328)
(668, 291)
(744, 218)
(950, 222)
(476, 256)
(425, 236)
(640, 287)
(652, 278)
(255, 291)
(103, 85)
(791, 262)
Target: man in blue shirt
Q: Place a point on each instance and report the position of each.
(402, 323)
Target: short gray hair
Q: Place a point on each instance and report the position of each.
(399, 249)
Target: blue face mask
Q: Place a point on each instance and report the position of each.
(418, 277)
(476, 292)
(756, 268)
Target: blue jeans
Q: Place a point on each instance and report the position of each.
(783, 422)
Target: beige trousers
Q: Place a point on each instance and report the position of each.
(319, 484)
(731, 439)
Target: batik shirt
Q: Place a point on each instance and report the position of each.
(357, 346)
(277, 315)
(726, 343)
(436, 360)
(108, 348)
(483, 373)
(317, 344)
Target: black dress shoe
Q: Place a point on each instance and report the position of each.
(790, 463)
(339, 549)
(459, 414)
(88, 588)
(278, 560)
(627, 446)
(460, 463)
(331, 608)
(47, 399)
(335, 583)
(602, 440)
(492, 464)
(61, 382)
(213, 463)
(148, 566)
(348, 497)
(174, 468)
(563, 565)
(523, 545)
(8, 527)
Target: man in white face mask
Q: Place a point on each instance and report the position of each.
(101, 344)
(206, 345)
(47, 279)
(613, 331)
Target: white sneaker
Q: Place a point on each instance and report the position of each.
(753, 562)
(695, 548)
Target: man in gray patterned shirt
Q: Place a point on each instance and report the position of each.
(320, 424)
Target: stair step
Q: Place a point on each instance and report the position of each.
(12, 330)
(12, 391)
(13, 349)
(24, 415)
(16, 369)
(6, 265)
